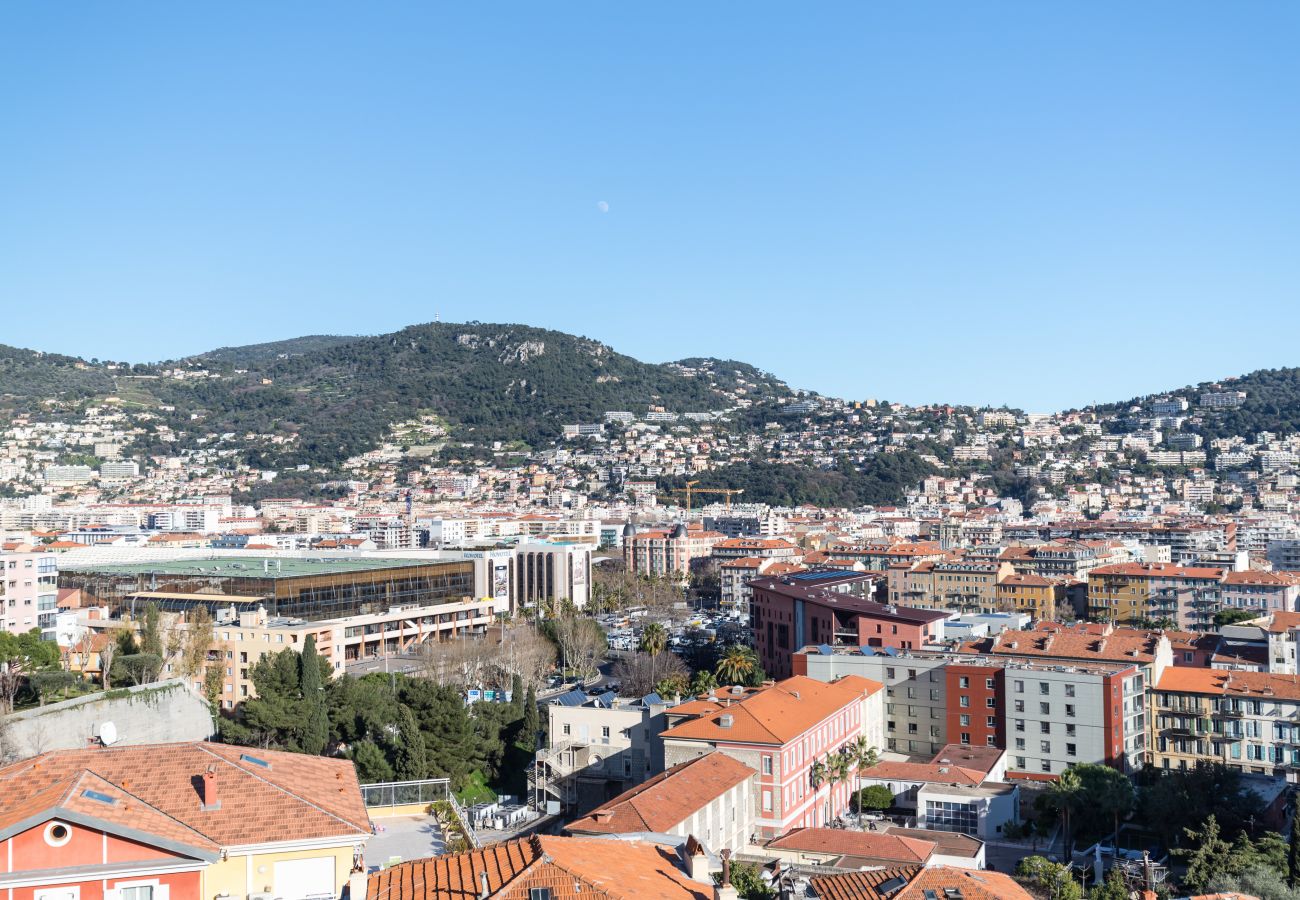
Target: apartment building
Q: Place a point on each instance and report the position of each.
(1047, 714)
(1261, 592)
(735, 575)
(1136, 593)
(29, 588)
(1037, 597)
(1249, 721)
(786, 732)
(667, 552)
(597, 748)
(829, 607)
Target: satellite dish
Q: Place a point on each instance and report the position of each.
(108, 734)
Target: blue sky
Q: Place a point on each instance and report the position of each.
(1026, 203)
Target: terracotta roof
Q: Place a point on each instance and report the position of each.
(1126, 644)
(1257, 685)
(887, 770)
(573, 868)
(772, 715)
(1271, 579)
(666, 800)
(865, 844)
(320, 796)
(973, 884)
(1281, 621)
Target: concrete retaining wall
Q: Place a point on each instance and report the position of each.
(165, 712)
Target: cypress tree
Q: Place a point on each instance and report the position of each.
(410, 761)
(316, 724)
(532, 722)
(1293, 855)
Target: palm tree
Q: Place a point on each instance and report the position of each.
(736, 665)
(1063, 795)
(654, 640)
(864, 756)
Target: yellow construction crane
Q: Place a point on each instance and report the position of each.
(691, 490)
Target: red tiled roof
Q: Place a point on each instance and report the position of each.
(864, 844)
(772, 715)
(320, 796)
(973, 884)
(667, 799)
(573, 868)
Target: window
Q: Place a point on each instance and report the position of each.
(988, 683)
(1045, 746)
(1044, 687)
(1020, 724)
(567, 729)
(1070, 750)
(1069, 710)
(1045, 709)
(964, 701)
(963, 682)
(1047, 765)
(1069, 690)
(991, 721)
(1020, 686)
(990, 702)
(1020, 706)
(1045, 727)
(965, 722)
(767, 801)
(533, 894)
(1069, 731)
(136, 892)
(991, 741)
(62, 893)
(1020, 745)
(767, 765)
(604, 731)
(1020, 762)
(965, 737)
(911, 728)
(57, 834)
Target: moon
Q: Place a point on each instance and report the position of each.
(602, 205)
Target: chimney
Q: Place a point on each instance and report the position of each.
(357, 884)
(210, 801)
(725, 890)
(484, 892)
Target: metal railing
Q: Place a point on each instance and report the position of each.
(402, 793)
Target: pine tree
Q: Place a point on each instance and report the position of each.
(316, 725)
(516, 690)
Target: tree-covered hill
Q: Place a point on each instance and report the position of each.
(1272, 404)
(882, 479)
(339, 395)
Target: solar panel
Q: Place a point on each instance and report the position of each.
(816, 576)
(606, 699)
(885, 888)
(254, 760)
(572, 698)
(824, 649)
(98, 797)
(652, 700)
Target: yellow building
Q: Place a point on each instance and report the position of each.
(235, 821)
(1034, 595)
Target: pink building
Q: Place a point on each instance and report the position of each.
(788, 733)
(29, 592)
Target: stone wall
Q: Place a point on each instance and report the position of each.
(165, 712)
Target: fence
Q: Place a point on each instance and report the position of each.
(406, 793)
